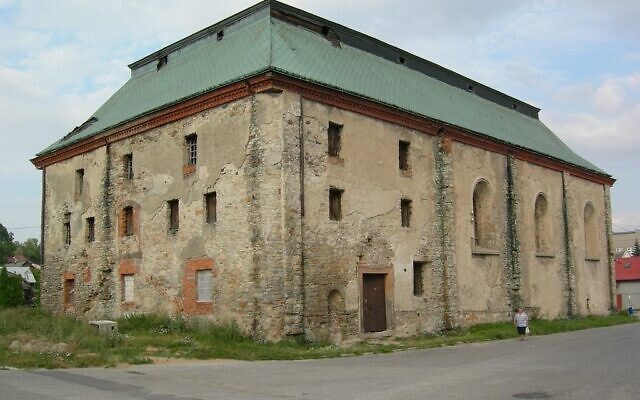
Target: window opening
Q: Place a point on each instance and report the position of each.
(405, 210)
(174, 215)
(403, 155)
(162, 61)
(335, 206)
(334, 139)
(192, 149)
(66, 231)
(79, 181)
(204, 283)
(91, 229)
(418, 278)
(128, 221)
(211, 204)
(128, 166)
(69, 292)
(127, 288)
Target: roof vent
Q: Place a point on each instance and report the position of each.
(162, 61)
(401, 60)
(220, 34)
(470, 88)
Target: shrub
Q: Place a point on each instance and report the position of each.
(11, 293)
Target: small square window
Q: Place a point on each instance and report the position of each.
(334, 139)
(91, 229)
(405, 210)
(403, 155)
(127, 288)
(204, 285)
(335, 204)
(211, 203)
(174, 215)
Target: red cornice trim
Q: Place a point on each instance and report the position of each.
(317, 93)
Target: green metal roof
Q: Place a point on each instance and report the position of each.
(254, 42)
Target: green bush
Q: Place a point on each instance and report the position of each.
(11, 293)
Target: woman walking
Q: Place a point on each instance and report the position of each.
(521, 321)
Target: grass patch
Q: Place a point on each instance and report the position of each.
(30, 338)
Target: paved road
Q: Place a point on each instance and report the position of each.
(594, 364)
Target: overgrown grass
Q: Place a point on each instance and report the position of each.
(30, 338)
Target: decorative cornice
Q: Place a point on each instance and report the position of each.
(268, 81)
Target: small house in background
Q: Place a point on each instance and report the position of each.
(628, 282)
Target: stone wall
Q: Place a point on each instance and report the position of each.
(280, 265)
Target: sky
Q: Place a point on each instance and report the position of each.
(577, 60)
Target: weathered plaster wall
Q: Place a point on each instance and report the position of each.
(370, 234)
(482, 287)
(280, 266)
(543, 272)
(593, 288)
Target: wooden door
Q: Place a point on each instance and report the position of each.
(374, 311)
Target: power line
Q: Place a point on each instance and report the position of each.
(24, 227)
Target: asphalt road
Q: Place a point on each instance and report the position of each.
(593, 364)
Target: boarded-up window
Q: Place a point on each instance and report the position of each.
(542, 226)
(590, 232)
(482, 218)
(79, 181)
(335, 204)
(334, 139)
(91, 229)
(418, 278)
(174, 215)
(127, 288)
(128, 221)
(192, 149)
(69, 292)
(204, 285)
(211, 204)
(405, 211)
(128, 166)
(403, 155)
(66, 228)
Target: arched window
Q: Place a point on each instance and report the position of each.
(482, 221)
(542, 225)
(590, 232)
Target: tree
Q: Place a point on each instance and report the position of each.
(11, 293)
(7, 245)
(636, 249)
(30, 249)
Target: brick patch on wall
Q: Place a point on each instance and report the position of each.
(190, 303)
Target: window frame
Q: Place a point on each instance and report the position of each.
(334, 139)
(206, 286)
(191, 142)
(405, 212)
(211, 207)
(91, 229)
(174, 215)
(335, 204)
(403, 155)
(127, 285)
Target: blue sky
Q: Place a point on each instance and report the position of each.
(578, 60)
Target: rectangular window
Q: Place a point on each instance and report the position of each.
(174, 215)
(204, 285)
(128, 166)
(418, 278)
(69, 292)
(127, 288)
(335, 206)
(66, 228)
(403, 155)
(128, 221)
(210, 200)
(91, 229)
(405, 210)
(334, 133)
(192, 149)
(79, 181)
